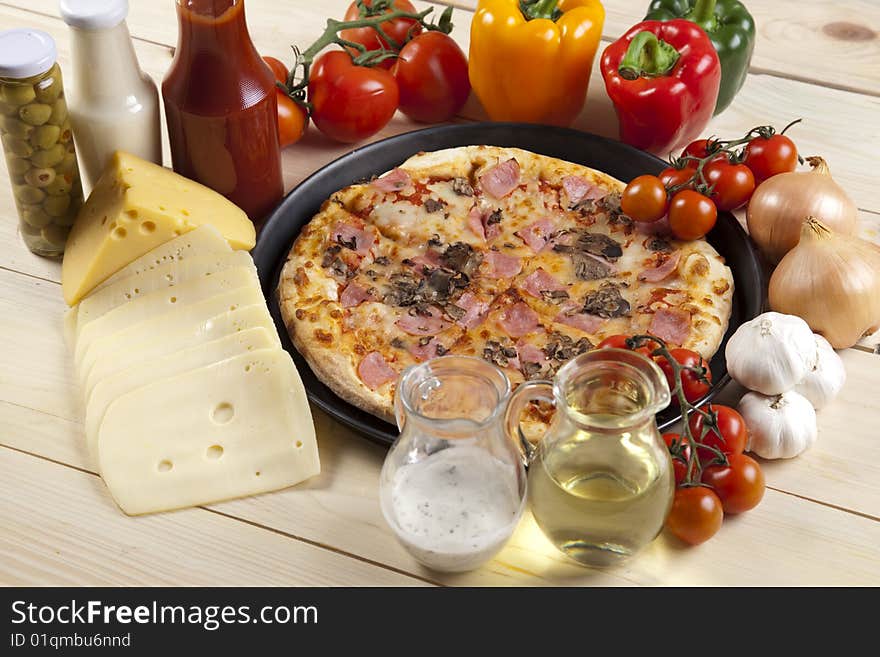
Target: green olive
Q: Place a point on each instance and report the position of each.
(34, 215)
(59, 112)
(56, 235)
(17, 146)
(16, 165)
(35, 113)
(50, 157)
(30, 231)
(59, 184)
(17, 94)
(48, 90)
(28, 195)
(68, 164)
(56, 206)
(40, 177)
(46, 136)
(14, 126)
(66, 134)
(7, 109)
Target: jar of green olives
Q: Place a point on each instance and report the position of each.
(37, 140)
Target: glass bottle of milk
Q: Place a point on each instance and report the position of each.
(114, 105)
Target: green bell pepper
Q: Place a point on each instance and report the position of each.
(731, 29)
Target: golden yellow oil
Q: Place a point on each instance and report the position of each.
(601, 497)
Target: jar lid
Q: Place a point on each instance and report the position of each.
(93, 14)
(25, 53)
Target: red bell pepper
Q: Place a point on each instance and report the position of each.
(663, 78)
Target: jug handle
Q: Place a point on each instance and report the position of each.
(525, 393)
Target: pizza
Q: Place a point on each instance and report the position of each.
(520, 259)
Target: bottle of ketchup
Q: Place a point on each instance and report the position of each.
(221, 107)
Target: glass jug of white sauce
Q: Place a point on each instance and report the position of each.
(114, 105)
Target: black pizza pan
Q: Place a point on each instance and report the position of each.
(613, 157)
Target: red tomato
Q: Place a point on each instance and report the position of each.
(694, 389)
(740, 485)
(292, 120)
(644, 199)
(731, 425)
(619, 342)
(696, 514)
(432, 74)
(691, 215)
(672, 177)
(733, 184)
(768, 157)
(680, 452)
(397, 29)
(350, 103)
(698, 149)
(279, 70)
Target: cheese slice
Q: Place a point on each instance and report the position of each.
(206, 353)
(135, 207)
(202, 241)
(202, 322)
(160, 302)
(168, 275)
(238, 427)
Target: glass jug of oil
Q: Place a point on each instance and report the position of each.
(600, 480)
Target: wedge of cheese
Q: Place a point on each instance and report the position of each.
(172, 364)
(159, 302)
(197, 324)
(135, 207)
(238, 427)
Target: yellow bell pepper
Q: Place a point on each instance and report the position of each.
(531, 60)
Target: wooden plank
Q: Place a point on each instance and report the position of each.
(796, 40)
(340, 508)
(60, 528)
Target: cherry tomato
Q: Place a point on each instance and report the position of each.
(292, 118)
(733, 184)
(696, 514)
(740, 485)
(691, 215)
(279, 70)
(432, 74)
(694, 389)
(731, 425)
(672, 177)
(350, 103)
(397, 29)
(679, 451)
(698, 149)
(619, 342)
(768, 157)
(644, 199)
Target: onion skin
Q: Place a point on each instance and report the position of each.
(832, 282)
(780, 204)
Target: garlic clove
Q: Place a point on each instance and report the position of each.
(824, 382)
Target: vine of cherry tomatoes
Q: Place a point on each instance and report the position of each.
(709, 176)
(713, 476)
(402, 62)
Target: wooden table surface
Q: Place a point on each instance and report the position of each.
(819, 522)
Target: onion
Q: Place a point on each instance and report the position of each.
(778, 207)
(832, 282)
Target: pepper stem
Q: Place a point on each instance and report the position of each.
(703, 14)
(647, 56)
(533, 9)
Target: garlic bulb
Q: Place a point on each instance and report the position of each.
(832, 281)
(780, 426)
(771, 353)
(825, 380)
